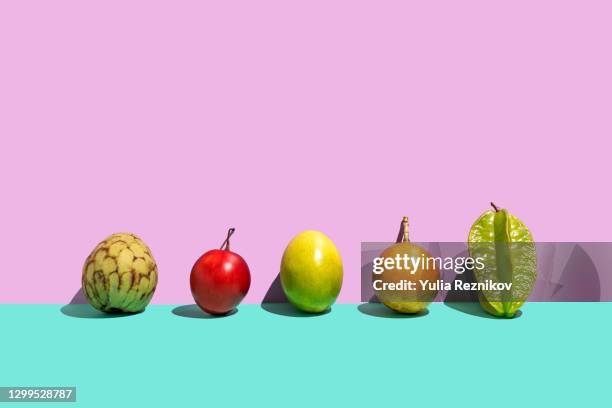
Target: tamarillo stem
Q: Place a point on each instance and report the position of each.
(494, 207)
(226, 244)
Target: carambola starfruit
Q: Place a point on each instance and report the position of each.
(508, 254)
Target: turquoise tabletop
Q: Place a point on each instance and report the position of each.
(271, 355)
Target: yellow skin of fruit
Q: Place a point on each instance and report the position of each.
(120, 274)
(311, 272)
(393, 275)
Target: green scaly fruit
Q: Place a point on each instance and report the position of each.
(120, 275)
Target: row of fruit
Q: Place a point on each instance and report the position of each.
(120, 274)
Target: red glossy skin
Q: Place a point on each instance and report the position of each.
(219, 280)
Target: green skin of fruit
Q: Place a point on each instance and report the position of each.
(311, 272)
(514, 260)
(120, 275)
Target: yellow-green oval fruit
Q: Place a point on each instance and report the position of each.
(311, 272)
(505, 246)
(120, 275)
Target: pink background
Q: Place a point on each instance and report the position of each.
(175, 120)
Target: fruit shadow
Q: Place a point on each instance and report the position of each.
(287, 309)
(86, 311)
(194, 312)
(78, 298)
(578, 280)
(80, 307)
(275, 301)
(376, 309)
(467, 301)
(475, 309)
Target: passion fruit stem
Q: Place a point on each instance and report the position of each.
(402, 236)
(226, 244)
(494, 207)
